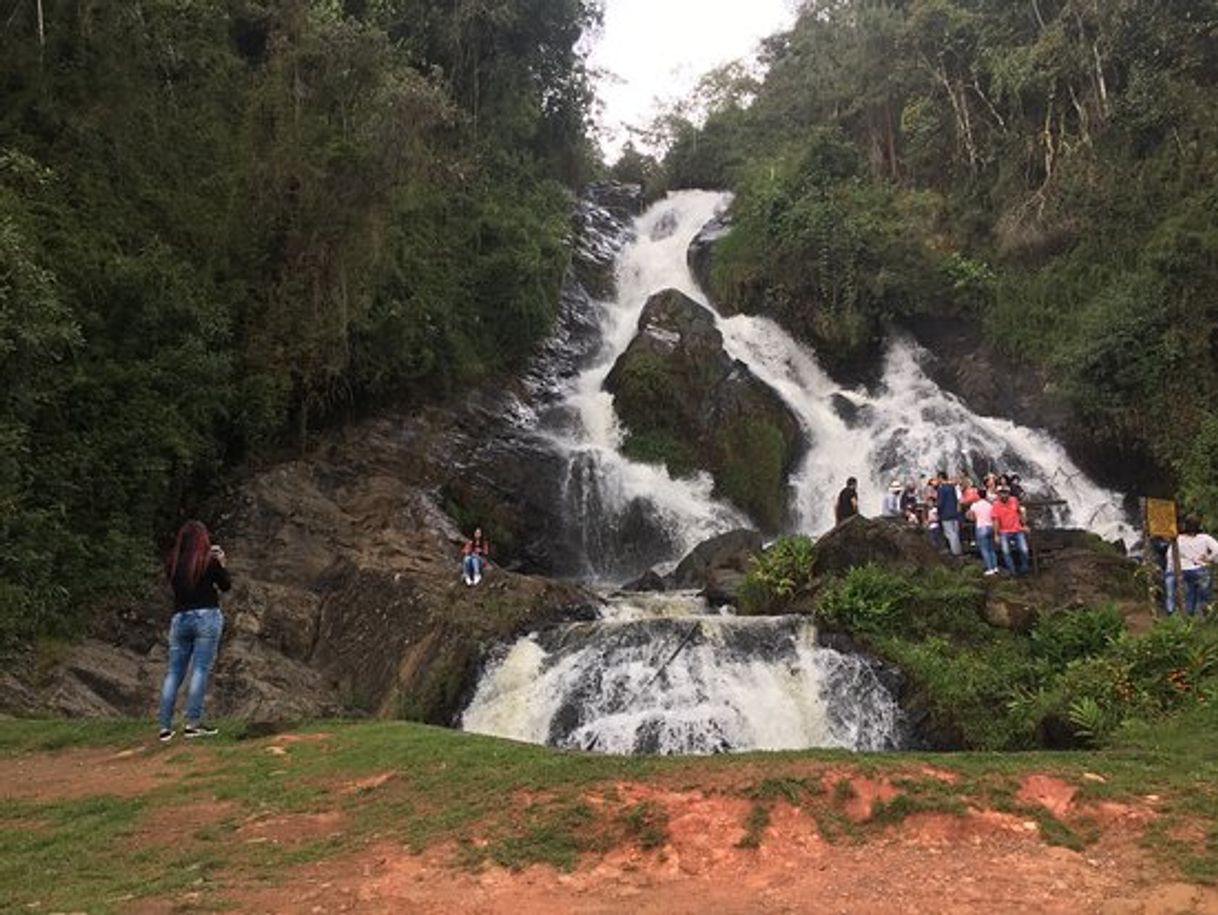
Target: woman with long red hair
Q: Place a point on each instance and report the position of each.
(197, 573)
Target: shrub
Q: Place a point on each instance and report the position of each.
(870, 599)
(777, 578)
(1060, 638)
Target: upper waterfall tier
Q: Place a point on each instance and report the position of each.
(905, 427)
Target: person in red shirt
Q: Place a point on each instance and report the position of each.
(1008, 525)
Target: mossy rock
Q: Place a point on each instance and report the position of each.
(688, 405)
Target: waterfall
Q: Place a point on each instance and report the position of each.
(662, 675)
(905, 428)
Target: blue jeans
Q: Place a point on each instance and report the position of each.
(985, 546)
(1016, 542)
(1196, 590)
(472, 566)
(951, 531)
(194, 637)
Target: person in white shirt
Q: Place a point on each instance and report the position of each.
(1197, 551)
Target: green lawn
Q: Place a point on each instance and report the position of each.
(508, 803)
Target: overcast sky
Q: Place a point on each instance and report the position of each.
(659, 49)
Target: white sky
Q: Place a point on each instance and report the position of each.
(658, 49)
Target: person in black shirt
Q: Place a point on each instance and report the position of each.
(197, 573)
(847, 501)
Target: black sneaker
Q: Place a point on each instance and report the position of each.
(166, 735)
(199, 730)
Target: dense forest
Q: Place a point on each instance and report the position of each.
(1044, 171)
(226, 222)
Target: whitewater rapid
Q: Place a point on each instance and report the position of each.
(662, 674)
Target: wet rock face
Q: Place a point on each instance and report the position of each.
(701, 256)
(688, 404)
(858, 541)
(717, 567)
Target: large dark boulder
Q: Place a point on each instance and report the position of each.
(686, 403)
(701, 255)
(717, 566)
(858, 541)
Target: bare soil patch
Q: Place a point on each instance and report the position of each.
(293, 828)
(77, 773)
(983, 861)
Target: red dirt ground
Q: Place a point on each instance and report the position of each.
(982, 862)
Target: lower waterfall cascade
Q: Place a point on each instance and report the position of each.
(663, 674)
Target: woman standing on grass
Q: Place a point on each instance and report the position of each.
(197, 574)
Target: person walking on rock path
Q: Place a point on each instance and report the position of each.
(197, 573)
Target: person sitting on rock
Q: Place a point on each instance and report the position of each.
(475, 555)
(847, 501)
(1009, 526)
(1197, 552)
(891, 507)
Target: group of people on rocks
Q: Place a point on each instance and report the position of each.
(949, 508)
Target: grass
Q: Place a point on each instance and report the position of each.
(517, 805)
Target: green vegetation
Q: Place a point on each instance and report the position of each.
(1077, 677)
(778, 578)
(1043, 174)
(224, 223)
(752, 469)
(498, 802)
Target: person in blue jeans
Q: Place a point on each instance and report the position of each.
(197, 573)
(1008, 518)
(1197, 552)
(474, 557)
(947, 500)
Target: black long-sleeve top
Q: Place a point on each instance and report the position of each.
(187, 596)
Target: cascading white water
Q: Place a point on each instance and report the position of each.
(660, 675)
(602, 483)
(906, 428)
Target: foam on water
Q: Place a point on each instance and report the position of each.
(647, 683)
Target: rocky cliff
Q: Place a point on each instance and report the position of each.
(347, 598)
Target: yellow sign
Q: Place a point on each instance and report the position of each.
(1161, 519)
